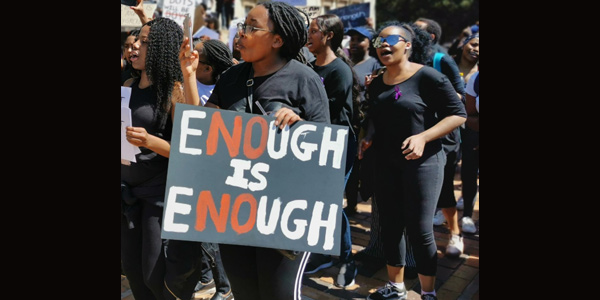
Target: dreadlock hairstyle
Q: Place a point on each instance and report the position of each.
(218, 56)
(162, 62)
(291, 26)
(419, 39)
(333, 23)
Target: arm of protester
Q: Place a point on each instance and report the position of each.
(367, 140)
(138, 136)
(139, 10)
(472, 113)
(188, 68)
(285, 116)
(211, 105)
(415, 145)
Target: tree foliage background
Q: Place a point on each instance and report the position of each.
(453, 15)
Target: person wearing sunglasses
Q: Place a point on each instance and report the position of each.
(411, 106)
(279, 78)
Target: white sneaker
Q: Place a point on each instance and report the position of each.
(455, 246)
(468, 225)
(460, 204)
(438, 218)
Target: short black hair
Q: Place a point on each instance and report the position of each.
(432, 27)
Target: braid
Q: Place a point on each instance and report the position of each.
(291, 26)
(162, 62)
(218, 55)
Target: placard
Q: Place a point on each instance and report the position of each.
(235, 178)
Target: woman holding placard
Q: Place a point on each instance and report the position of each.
(274, 73)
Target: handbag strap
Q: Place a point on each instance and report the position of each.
(249, 84)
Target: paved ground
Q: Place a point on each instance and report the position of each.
(457, 278)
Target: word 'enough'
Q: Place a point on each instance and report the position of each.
(265, 223)
(301, 150)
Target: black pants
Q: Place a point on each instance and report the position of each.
(186, 261)
(352, 186)
(447, 198)
(142, 250)
(469, 170)
(263, 273)
(407, 195)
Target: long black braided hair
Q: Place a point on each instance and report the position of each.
(289, 23)
(218, 56)
(162, 63)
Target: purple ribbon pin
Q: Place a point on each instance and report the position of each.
(398, 93)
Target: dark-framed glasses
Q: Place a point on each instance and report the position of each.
(392, 40)
(247, 29)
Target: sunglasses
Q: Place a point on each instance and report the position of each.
(390, 39)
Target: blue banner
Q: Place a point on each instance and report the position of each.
(353, 15)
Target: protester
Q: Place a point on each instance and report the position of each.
(225, 9)
(137, 6)
(468, 63)
(127, 71)
(411, 106)
(364, 65)
(192, 266)
(143, 183)
(270, 41)
(441, 61)
(235, 51)
(472, 103)
(325, 36)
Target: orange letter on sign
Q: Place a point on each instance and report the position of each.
(232, 141)
(253, 153)
(235, 224)
(207, 204)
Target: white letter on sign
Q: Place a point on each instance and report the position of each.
(172, 207)
(185, 131)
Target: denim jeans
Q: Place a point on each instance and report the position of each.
(346, 246)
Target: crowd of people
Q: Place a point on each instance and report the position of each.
(411, 107)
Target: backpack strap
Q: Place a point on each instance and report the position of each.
(476, 84)
(436, 61)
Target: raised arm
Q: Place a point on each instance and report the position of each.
(139, 10)
(188, 68)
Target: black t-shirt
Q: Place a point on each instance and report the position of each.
(337, 79)
(148, 164)
(449, 68)
(126, 73)
(363, 69)
(295, 86)
(426, 98)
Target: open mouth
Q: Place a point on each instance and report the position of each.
(385, 52)
(133, 56)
